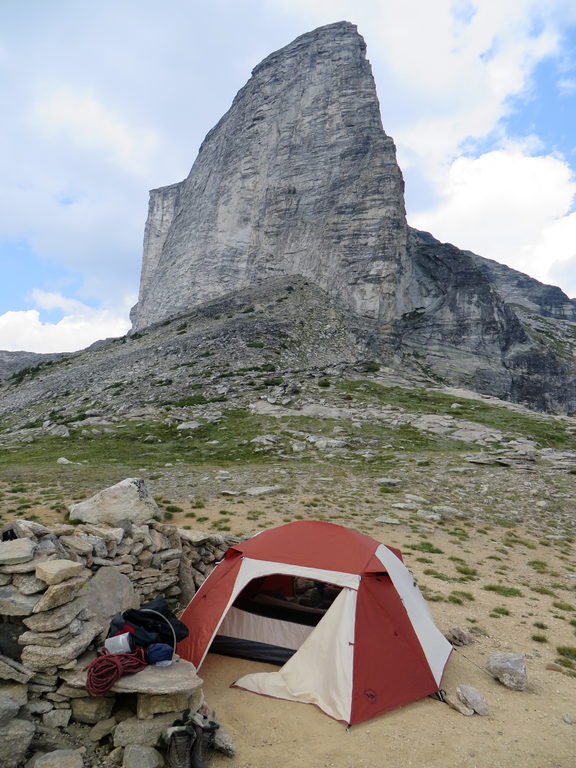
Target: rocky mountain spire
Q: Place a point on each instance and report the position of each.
(298, 177)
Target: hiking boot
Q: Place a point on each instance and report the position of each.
(203, 743)
(181, 740)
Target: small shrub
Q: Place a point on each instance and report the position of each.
(562, 606)
(466, 570)
(324, 383)
(371, 367)
(173, 508)
(540, 638)
(468, 596)
(543, 591)
(540, 625)
(192, 400)
(567, 651)
(499, 589)
(452, 598)
(437, 574)
(538, 565)
(202, 519)
(425, 546)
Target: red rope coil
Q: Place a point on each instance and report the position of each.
(106, 669)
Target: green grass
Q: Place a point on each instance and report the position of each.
(425, 546)
(548, 433)
(503, 591)
(567, 651)
(562, 606)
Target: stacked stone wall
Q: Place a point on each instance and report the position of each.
(59, 588)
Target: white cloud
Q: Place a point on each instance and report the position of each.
(449, 76)
(80, 119)
(51, 300)
(80, 326)
(509, 206)
(92, 128)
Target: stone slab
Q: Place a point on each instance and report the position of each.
(61, 758)
(102, 729)
(57, 718)
(9, 709)
(92, 710)
(14, 603)
(145, 732)
(18, 692)
(28, 584)
(180, 677)
(27, 567)
(12, 670)
(41, 657)
(148, 705)
(16, 737)
(58, 637)
(55, 571)
(65, 592)
(56, 618)
(16, 551)
(138, 756)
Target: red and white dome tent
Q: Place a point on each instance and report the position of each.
(370, 647)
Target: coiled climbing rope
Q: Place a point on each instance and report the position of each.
(107, 668)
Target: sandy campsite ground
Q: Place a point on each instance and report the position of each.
(523, 729)
(526, 729)
(500, 563)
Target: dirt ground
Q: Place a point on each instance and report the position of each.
(526, 729)
(512, 530)
(522, 729)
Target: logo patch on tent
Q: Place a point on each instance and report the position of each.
(370, 694)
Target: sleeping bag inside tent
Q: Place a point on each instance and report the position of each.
(340, 612)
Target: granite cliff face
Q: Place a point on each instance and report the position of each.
(299, 178)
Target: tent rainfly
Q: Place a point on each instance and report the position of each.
(369, 645)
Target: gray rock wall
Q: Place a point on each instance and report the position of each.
(59, 588)
(297, 178)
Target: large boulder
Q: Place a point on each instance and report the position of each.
(128, 499)
(108, 593)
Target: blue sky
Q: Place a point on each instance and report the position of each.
(108, 100)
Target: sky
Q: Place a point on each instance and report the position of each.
(101, 102)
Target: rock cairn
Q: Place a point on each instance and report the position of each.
(59, 588)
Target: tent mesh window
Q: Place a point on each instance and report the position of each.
(272, 616)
